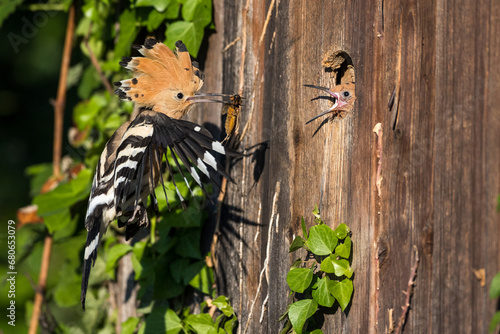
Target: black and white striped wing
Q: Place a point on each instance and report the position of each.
(149, 137)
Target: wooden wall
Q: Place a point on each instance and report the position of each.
(439, 160)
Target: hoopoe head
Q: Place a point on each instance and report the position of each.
(164, 81)
(343, 96)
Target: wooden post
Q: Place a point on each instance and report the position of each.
(429, 179)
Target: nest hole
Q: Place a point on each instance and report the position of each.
(339, 63)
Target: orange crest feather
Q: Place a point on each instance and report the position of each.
(159, 76)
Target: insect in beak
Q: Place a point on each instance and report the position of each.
(204, 97)
(337, 105)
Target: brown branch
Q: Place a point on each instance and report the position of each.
(42, 281)
(408, 293)
(61, 93)
(58, 129)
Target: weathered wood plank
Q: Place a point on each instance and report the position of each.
(440, 158)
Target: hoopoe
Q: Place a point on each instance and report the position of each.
(164, 86)
(343, 95)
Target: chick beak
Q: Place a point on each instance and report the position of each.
(338, 104)
(205, 97)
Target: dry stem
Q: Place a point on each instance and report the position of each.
(408, 293)
(58, 129)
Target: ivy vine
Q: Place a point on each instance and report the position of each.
(323, 279)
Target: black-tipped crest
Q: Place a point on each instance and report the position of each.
(181, 46)
(150, 43)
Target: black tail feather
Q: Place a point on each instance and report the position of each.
(90, 256)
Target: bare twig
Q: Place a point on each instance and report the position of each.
(408, 293)
(243, 46)
(231, 44)
(378, 180)
(391, 320)
(268, 17)
(265, 270)
(58, 129)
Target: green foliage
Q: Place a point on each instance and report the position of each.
(168, 263)
(7, 8)
(495, 293)
(322, 287)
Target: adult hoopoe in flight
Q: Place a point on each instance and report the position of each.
(343, 96)
(164, 86)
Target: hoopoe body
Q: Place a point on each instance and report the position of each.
(129, 169)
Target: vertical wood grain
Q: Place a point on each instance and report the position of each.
(440, 159)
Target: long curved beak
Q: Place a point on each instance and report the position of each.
(204, 97)
(337, 105)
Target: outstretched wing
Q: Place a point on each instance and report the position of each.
(190, 144)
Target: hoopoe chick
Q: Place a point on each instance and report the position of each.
(344, 98)
(164, 86)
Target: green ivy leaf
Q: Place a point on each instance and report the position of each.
(322, 240)
(327, 265)
(114, 254)
(177, 269)
(159, 5)
(322, 295)
(39, 175)
(203, 280)
(129, 325)
(230, 325)
(85, 112)
(495, 286)
(495, 321)
(137, 258)
(341, 267)
(8, 7)
(65, 195)
(191, 33)
(197, 10)
(68, 288)
(315, 212)
(344, 250)
(342, 291)
(317, 331)
(341, 231)
(201, 323)
(222, 302)
(299, 279)
(163, 320)
(304, 228)
(300, 311)
(90, 81)
(128, 32)
(297, 243)
(154, 20)
(54, 205)
(190, 245)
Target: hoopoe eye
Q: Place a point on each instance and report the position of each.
(180, 96)
(346, 94)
